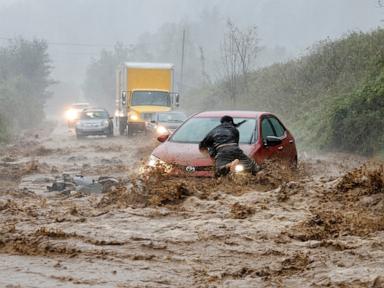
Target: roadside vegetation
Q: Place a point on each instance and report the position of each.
(24, 80)
(332, 98)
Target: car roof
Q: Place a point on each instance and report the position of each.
(233, 113)
(94, 110)
(80, 104)
(172, 112)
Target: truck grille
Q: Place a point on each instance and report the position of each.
(146, 116)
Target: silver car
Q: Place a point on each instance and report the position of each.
(94, 122)
(166, 122)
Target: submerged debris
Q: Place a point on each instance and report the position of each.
(67, 183)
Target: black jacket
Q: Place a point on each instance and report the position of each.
(225, 133)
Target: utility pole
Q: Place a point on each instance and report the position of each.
(182, 64)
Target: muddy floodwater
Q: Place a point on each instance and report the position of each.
(319, 226)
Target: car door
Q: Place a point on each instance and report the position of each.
(281, 132)
(267, 151)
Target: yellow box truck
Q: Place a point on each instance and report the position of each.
(141, 90)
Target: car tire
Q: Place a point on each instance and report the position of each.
(110, 132)
(294, 164)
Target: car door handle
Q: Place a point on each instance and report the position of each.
(291, 141)
(280, 147)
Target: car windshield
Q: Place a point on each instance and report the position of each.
(156, 98)
(171, 117)
(195, 129)
(94, 114)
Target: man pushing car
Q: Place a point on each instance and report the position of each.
(222, 144)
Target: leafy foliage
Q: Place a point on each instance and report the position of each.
(357, 122)
(24, 81)
(332, 97)
(99, 87)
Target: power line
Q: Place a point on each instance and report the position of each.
(69, 44)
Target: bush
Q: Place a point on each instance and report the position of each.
(356, 123)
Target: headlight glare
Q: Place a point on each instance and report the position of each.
(133, 116)
(71, 114)
(239, 168)
(161, 130)
(153, 161)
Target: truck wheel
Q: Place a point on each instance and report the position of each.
(131, 130)
(122, 127)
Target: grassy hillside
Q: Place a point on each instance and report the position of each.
(332, 98)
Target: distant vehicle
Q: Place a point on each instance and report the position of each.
(262, 136)
(73, 112)
(166, 122)
(94, 122)
(141, 90)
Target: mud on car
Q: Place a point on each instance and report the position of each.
(263, 136)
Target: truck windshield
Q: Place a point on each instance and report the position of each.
(156, 98)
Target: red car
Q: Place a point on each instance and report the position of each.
(262, 136)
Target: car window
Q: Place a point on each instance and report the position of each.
(88, 115)
(195, 129)
(279, 129)
(266, 129)
(171, 117)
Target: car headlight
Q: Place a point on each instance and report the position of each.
(133, 116)
(71, 114)
(153, 161)
(162, 130)
(105, 123)
(239, 168)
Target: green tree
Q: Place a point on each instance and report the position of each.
(24, 81)
(99, 86)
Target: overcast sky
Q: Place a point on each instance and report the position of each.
(294, 24)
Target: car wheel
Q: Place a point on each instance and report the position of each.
(294, 164)
(110, 133)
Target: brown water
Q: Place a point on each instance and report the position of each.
(321, 226)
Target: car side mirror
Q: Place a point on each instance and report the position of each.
(110, 118)
(272, 141)
(153, 121)
(163, 138)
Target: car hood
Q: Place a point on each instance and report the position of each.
(92, 121)
(186, 154)
(170, 125)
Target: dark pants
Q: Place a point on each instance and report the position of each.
(226, 155)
